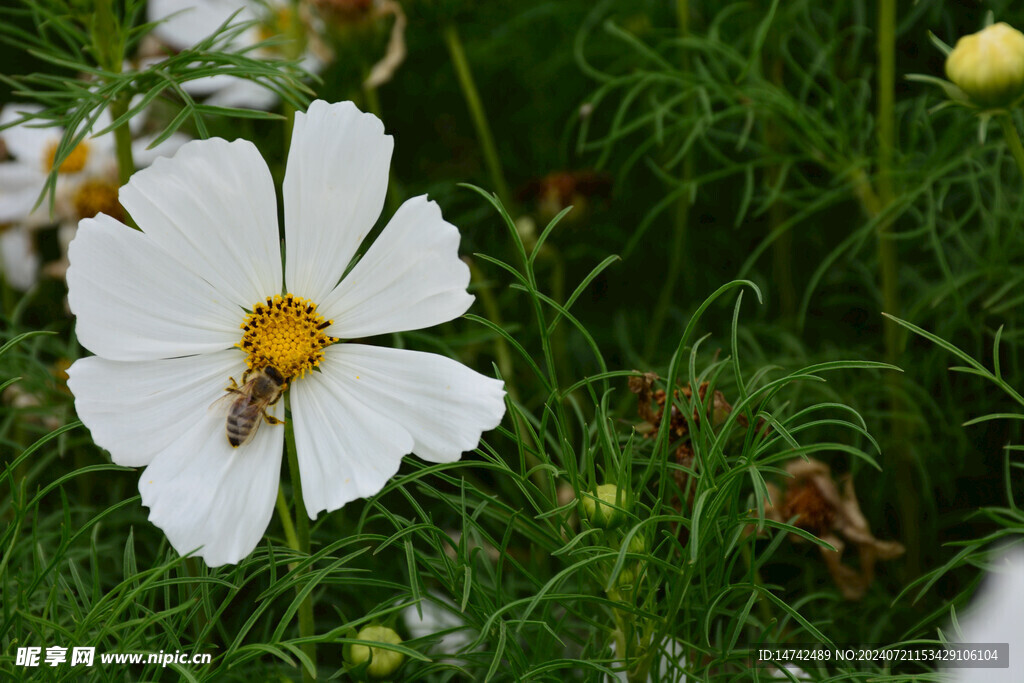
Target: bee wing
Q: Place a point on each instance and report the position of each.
(223, 404)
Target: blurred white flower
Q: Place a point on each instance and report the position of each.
(195, 298)
(671, 659)
(438, 616)
(87, 183)
(994, 616)
(184, 23)
(18, 257)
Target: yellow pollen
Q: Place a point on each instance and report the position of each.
(74, 162)
(97, 196)
(286, 332)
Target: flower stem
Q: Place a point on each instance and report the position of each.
(123, 147)
(476, 110)
(1013, 139)
(122, 139)
(493, 311)
(888, 259)
(286, 520)
(300, 536)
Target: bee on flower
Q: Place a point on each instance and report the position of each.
(200, 296)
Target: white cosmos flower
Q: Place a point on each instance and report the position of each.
(163, 310)
(184, 23)
(87, 183)
(994, 616)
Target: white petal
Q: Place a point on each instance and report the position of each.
(144, 156)
(204, 493)
(410, 278)
(27, 142)
(18, 257)
(334, 190)
(242, 93)
(188, 22)
(443, 404)
(212, 207)
(994, 617)
(346, 450)
(20, 187)
(134, 302)
(136, 409)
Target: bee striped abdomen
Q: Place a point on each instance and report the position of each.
(242, 422)
(249, 403)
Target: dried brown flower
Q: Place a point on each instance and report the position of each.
(651, 407)
(814, 500)
(560, 189)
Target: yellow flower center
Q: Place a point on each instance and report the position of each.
(287, 333)
(278, 23)
(97, 196)
(74, 162)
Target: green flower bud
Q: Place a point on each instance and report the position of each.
(625, 580)
(989, 65)
(382, 663)
(602, 512)
(637, 545)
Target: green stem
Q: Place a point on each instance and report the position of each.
(476, 110)
(122, 139)
(493, 311)
(286, 520)
(886, 119)
(300, 537)
(888, 259)
(1012, 139)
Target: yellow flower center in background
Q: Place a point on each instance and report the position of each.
(97, 196)
(278, 23)
(286, 332)
(74, 162)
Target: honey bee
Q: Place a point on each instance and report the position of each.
(246, 405)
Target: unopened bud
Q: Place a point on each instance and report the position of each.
(601, 507)
(626, 580)
(637, 545)
(989, 65)
(382, 663)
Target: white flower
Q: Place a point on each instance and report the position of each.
(671, 658)
(87, 183)
(184, 23)
(18, 257)
(995, 617)
(163, 310)
(435, 615)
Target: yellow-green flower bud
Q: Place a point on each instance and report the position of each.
(637, 545)
(382, 663)
(601, 507)
(989, 65)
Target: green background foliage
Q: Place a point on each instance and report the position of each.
(744, 206)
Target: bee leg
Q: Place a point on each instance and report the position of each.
(271, 420)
